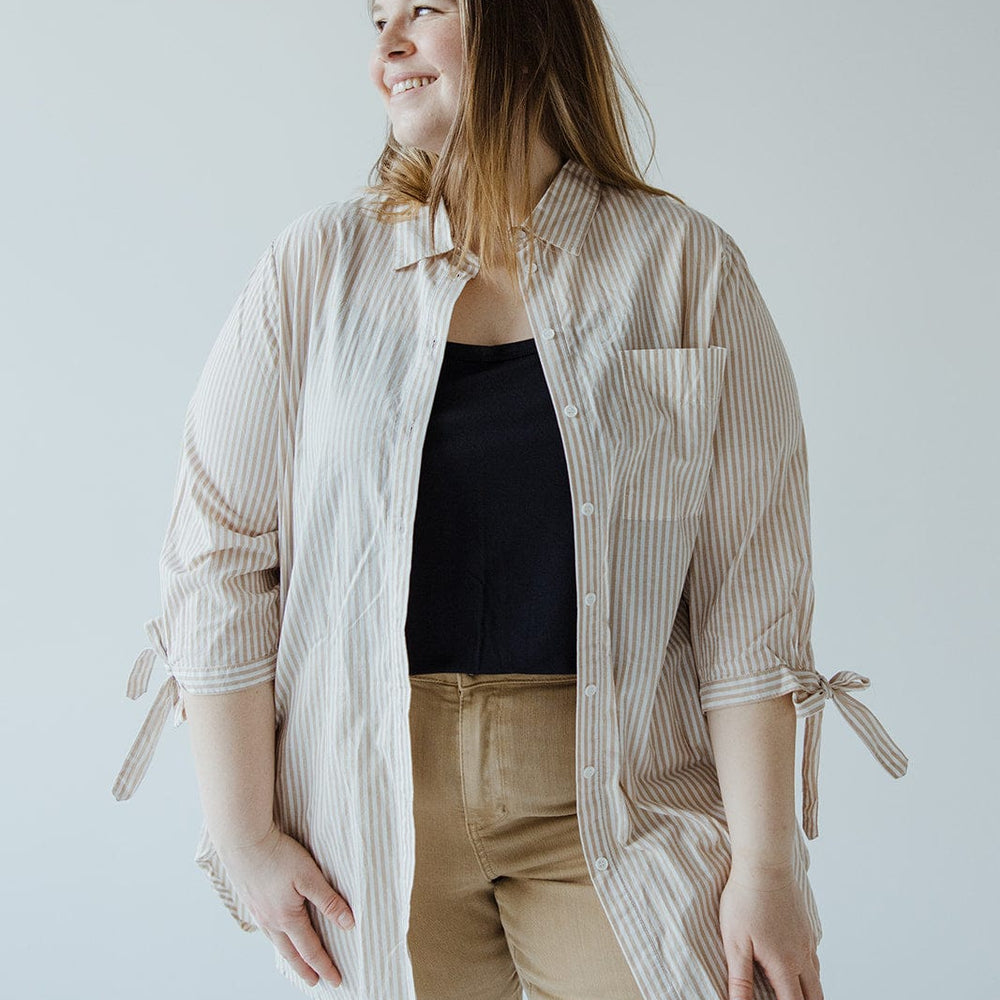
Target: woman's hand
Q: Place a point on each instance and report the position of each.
(762, 915)
(274, 877)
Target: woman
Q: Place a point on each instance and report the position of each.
(560, 480)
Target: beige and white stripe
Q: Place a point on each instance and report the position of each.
(288, 546)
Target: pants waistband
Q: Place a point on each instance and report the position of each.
(461, 681)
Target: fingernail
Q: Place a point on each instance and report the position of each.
(345, 920)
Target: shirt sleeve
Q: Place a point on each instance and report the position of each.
(749, 585)
(219, 578)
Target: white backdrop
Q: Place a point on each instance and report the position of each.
(151, 151)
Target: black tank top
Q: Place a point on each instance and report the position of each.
(492, 582)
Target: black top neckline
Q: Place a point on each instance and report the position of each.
(491, 352)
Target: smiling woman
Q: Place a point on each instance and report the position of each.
(493, 651)
(419, 44)
(517, 88)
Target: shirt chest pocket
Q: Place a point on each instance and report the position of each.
(670, 405)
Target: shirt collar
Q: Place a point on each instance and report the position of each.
(562, 217)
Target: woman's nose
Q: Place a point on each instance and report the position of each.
(393, 40)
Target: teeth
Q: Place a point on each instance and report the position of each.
(412, 83)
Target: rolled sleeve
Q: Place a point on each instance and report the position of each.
(219, 576)
(749, 585)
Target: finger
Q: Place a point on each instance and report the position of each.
(324, 897)
(285, 947)
(308, 944)
(811, 988)
(785, 984)
(740, 962)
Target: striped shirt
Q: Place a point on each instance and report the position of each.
(287, 554)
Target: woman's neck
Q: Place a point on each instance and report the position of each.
(544, 164)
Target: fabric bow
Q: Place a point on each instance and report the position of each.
(137, 760)
(810, 700)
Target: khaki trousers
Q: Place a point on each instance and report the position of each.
(502, 898)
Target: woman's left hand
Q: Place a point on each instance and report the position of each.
(762, 915)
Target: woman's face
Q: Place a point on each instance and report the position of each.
(418, 41)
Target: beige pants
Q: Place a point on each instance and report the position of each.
(502, 899)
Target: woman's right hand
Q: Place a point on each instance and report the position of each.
(274, 877)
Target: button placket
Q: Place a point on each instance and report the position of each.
(587, 508)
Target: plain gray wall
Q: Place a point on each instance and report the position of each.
(151, 151)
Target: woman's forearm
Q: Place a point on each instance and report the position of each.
(754, 747)
(232, 740)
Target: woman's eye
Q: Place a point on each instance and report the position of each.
(378, 24)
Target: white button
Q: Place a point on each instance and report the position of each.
(588, 771)
(590, 690)
(601, 863)
(534, 266)
(588, 508)
(548, 333)
(589, 598)
(570, 410)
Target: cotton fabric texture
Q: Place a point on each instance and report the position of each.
(287, 552)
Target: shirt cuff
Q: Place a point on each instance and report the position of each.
(810, 690)
(221, 681)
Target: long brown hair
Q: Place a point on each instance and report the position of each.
(533, 68)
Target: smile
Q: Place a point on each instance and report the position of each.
(414, 83)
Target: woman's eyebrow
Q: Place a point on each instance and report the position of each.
(377, 7)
